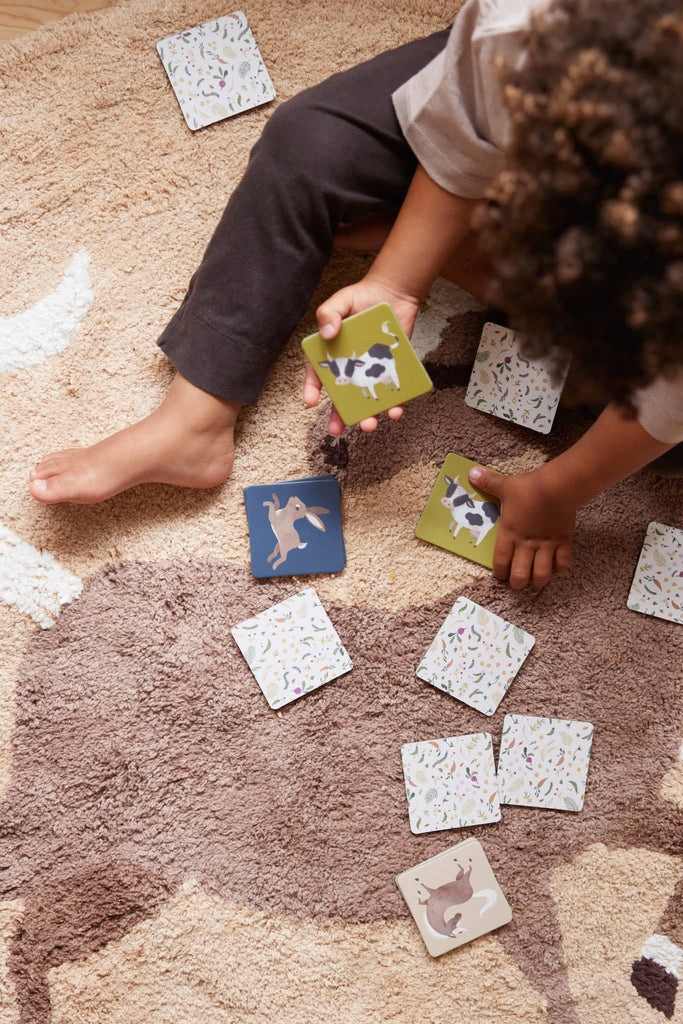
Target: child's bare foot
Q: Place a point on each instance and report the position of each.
(188, 441)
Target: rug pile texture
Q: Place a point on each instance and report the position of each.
(171, 850)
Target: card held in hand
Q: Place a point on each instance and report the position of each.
(370, 366)
(458, 516)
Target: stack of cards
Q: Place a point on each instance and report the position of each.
(216, 70)
(292, 648)
(657, 587)
(505, 383)
(450, 783)
(295, 527)
(475, 656)
(458, 516)
(454, 897)
(370, 366)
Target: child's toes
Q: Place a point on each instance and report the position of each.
(55, 488)
(46, 467)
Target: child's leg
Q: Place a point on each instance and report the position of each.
(333, 154)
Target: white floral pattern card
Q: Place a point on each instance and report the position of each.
(216, 70)
(450, 783)
(292, 648)
(543, 762)
(505, 383)
(657, 587)
(475, 656)
(454, 897)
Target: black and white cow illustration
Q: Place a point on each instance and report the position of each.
(376, 366)
(479, 517)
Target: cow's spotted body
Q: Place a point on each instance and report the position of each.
(479, 517)
(366, 371)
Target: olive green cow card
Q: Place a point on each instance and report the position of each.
(370, 366)
(458, 516)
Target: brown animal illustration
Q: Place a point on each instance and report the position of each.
(282, 522)
(452, 894)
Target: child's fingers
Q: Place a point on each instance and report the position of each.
(331, 313)
(520, 569)
(502, 556)
(312, 387)
(369, 424)
(543, 566)
(563, 557)
(336, 424)
(395, 412)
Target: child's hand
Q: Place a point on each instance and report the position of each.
(354, 299)
(536, 527)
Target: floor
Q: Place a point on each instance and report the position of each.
(18, 18)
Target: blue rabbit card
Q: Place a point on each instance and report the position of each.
(295, 527)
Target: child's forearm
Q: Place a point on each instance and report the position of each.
(612, 449)
(430, 226)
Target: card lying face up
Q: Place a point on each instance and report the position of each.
(505, 383)
(292, 648)
(454, 897)
(216, 70)
(657, 587)
(543, 762)
(458, 516)
(450, 783)
(475, 656)
(370, 366)
(295, 527)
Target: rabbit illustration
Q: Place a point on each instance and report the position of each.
(282, 522)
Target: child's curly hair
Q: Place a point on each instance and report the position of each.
(585, 222)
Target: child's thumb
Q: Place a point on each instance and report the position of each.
(331, 313)
(487, 480)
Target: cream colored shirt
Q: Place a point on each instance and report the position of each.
(454, 119)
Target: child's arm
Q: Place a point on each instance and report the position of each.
(430, 226)
(539, 508)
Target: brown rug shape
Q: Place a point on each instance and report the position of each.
(170, 849)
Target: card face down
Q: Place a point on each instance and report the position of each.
(216, 70)
(505, 383)
(450, 782)
(295, 527)
(543, 762)
(454, 897)
(370, 366)
(475, 656)
(458, 516)
(657, 587)
(292, 648)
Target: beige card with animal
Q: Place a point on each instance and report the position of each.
(454, 897)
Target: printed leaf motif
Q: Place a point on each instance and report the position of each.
(571, 804)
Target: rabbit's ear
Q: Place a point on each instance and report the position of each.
(318, 523)
(318, 509)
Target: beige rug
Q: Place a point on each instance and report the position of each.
(170, 849)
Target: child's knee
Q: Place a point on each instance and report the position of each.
(302, 136)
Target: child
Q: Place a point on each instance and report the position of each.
(585, 221)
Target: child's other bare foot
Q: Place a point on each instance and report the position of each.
(187, 440)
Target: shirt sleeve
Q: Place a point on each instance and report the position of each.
(452, 112)
(660, 408)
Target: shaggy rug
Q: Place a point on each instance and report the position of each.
(171, 850)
